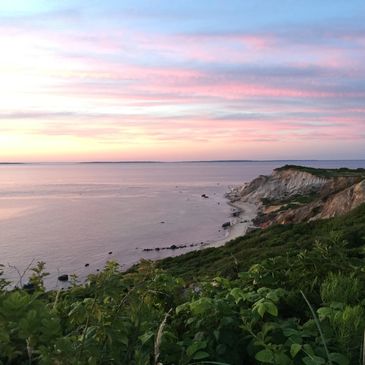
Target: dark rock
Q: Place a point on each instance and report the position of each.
(226, 224)
(63, 277)
(205, 196)
(86, 265)
(29, 287)
(236, 213)
(110, 252)
(173, 247)
(162, 222)
(157, 249)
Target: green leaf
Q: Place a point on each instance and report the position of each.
(324, 312)
(268, 327)
(201, 306)
(272, 296)
(200, 355)
(265, 356)
(195, 347)
(261, 309)
(181, 308)
(314, 360)
(271, 308)
(339, 358)
(308, 349)
(288, 332)
(294, 349)
(236, 294)
(282, 359)
(146, 337)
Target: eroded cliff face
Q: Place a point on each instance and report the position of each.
(281, 184)
(344, 201)
(293, 195)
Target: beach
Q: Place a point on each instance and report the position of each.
(240, 224)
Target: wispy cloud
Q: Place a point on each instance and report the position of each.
(107, 75)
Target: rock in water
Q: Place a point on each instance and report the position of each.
(63, 277)
(226, 225)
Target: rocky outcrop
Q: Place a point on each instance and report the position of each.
(294, 194)
(344, 201)
(282, 184)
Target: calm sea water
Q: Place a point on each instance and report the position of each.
(74, 214)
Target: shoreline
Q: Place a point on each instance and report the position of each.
(239, 224)
(240, 221)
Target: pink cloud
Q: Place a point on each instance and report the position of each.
(181, 88)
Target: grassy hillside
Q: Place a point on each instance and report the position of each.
(327, 173)
(277, 240)
(287, 295)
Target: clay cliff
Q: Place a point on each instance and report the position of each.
(293, 194)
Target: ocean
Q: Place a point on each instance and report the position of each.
(75, 217)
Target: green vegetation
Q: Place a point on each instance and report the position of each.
(286, 295)
(279, 242)
(292, 202)
(326, 173)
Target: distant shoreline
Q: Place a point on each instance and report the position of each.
(15, 163)
(174, 162)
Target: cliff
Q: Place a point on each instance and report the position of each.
(293, 194)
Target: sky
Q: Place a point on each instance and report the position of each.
(181, 80)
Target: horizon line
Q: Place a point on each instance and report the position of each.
(162, 162)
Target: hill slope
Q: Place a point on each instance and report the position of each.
(293, 194)
(240, 254)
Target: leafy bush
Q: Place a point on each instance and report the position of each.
(340, 288)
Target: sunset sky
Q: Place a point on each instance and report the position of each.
(182, 80)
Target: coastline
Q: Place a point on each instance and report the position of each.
(240, 221)
(240, 224)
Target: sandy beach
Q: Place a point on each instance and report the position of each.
(239, 224)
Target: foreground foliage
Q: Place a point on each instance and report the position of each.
(288, 295)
